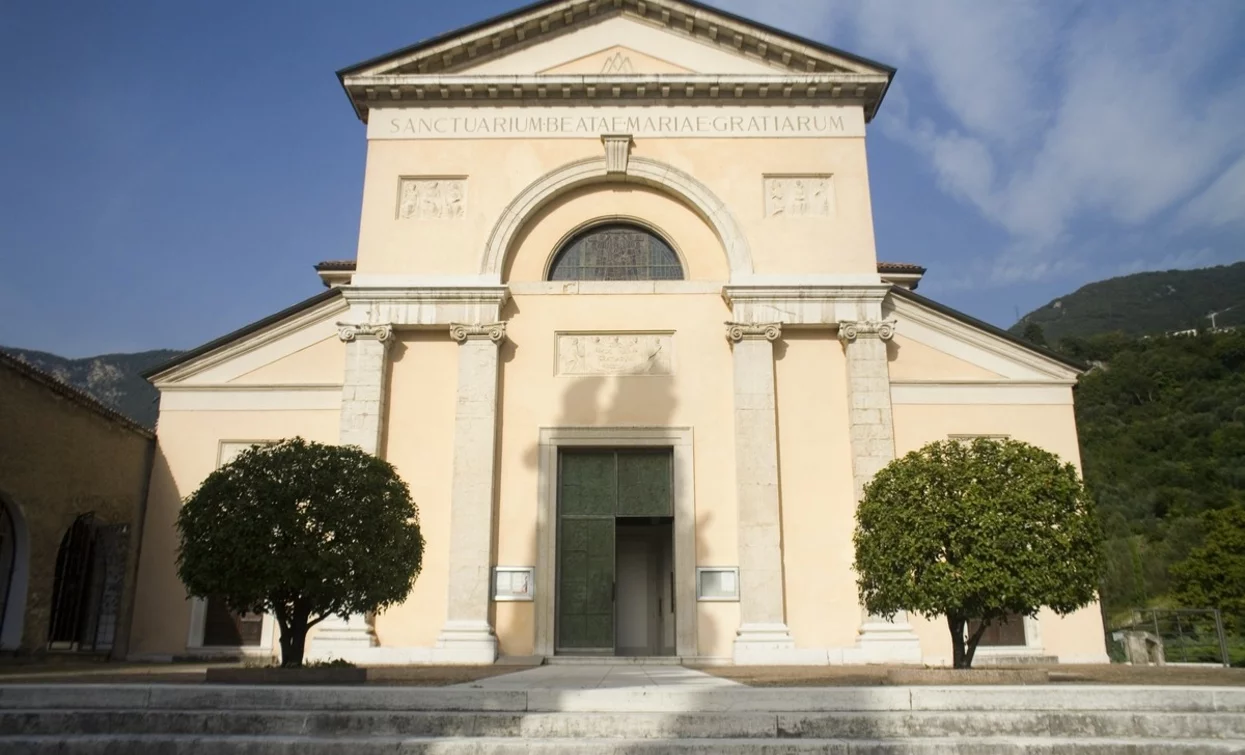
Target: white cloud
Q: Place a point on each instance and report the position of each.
(1045, 115)
(1222, 203)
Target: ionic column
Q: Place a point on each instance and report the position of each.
(763, 636)
(873, 447)
(362, 417)
(467, 636)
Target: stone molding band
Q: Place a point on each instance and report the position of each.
(494, 331)
(849, 331)
(348, 332)
(739, 331)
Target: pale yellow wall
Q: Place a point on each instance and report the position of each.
(497, 170)
(419, 442)
(910, 360)
(321, 362)
(1052, 427)
(818, 508)
(596, 62)
(691, 236)
(186, 453)
(695, 396)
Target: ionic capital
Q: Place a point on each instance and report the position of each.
(350, 331)
(740, 331)
(850, 330)
(493, 331)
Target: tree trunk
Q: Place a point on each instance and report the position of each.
(293, 637)
(956, 625)
(972, 644)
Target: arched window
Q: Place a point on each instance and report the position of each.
(616, 252)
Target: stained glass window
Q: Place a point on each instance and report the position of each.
(616, 252)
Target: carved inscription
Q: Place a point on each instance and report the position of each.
(798, 196)
(432, 199)
(615, 354)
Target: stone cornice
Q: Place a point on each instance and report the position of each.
(407, 90)
(741, 331)
(811, 304)
(493, 331)
(432, 306)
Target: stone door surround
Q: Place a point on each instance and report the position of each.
(679, 439)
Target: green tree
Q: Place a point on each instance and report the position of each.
(302, 530)
(1034, 334)
(1213, 576)
(979, 530)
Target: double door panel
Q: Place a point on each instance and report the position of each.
(594, 489)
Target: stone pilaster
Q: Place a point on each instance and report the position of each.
(362, 418)
(467, 636)
(763, 636)
(873, 447)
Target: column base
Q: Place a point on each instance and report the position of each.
(885, 642)
(771, 645)
(466, 642)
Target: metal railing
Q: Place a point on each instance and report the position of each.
(1188, 635)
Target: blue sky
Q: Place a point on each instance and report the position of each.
(171, 171)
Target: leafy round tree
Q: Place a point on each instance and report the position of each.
(302, 530)
(976, 531)
(1213, 576)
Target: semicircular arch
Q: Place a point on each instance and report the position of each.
(640, 170)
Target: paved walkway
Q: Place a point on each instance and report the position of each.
(603, 676)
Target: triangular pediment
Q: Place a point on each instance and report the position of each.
(472, 47)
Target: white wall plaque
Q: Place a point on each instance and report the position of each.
(511, 583)
(669, 121)
(615, 353)
(432, 198)
(717, 583)
(798, 196)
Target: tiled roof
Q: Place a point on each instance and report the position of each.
(79, 397)
(900, 267)
(335, 265)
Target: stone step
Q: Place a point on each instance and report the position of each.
(1079, 698)
(636, 726)
(239, 745)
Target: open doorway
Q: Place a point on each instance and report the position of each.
(644, 573)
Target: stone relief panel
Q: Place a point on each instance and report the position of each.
(615, 354)
(798, 196)
(432, 198)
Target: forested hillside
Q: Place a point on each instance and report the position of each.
(111, 378)
(1162, 427)
(1145, 304)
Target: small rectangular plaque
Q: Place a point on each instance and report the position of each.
(717, 583)
(615, 354)
(512, 583)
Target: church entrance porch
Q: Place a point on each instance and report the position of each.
(615, 560)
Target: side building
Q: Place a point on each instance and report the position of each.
(73, 485)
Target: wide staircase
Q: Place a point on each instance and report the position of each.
(175, 719)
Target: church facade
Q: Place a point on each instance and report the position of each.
(617, 317)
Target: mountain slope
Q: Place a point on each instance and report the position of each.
(111, 378)
(1145, 304)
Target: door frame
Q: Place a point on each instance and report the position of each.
(679, 440)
